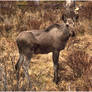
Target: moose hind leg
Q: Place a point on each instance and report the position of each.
(25, 68)
(19, 62)
(56, 65)
(18, 65)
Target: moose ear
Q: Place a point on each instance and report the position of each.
(64, 18)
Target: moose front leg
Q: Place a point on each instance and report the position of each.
(26, 67)
(56, 65)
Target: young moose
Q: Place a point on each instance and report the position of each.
(53, 39)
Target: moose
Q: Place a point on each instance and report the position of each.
(52, 39)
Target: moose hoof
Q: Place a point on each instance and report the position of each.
(56, 81)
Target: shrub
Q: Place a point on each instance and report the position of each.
(78, 61)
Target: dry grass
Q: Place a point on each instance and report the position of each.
(75, 61)
(74, 71)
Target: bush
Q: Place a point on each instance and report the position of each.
(78, 61)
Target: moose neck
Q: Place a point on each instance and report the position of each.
(64, 34)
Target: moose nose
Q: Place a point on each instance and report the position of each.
(67, 25)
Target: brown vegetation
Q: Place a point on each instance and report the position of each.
(75, 61)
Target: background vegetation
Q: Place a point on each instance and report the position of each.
(75, 60)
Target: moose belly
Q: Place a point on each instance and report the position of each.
(43, 50)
